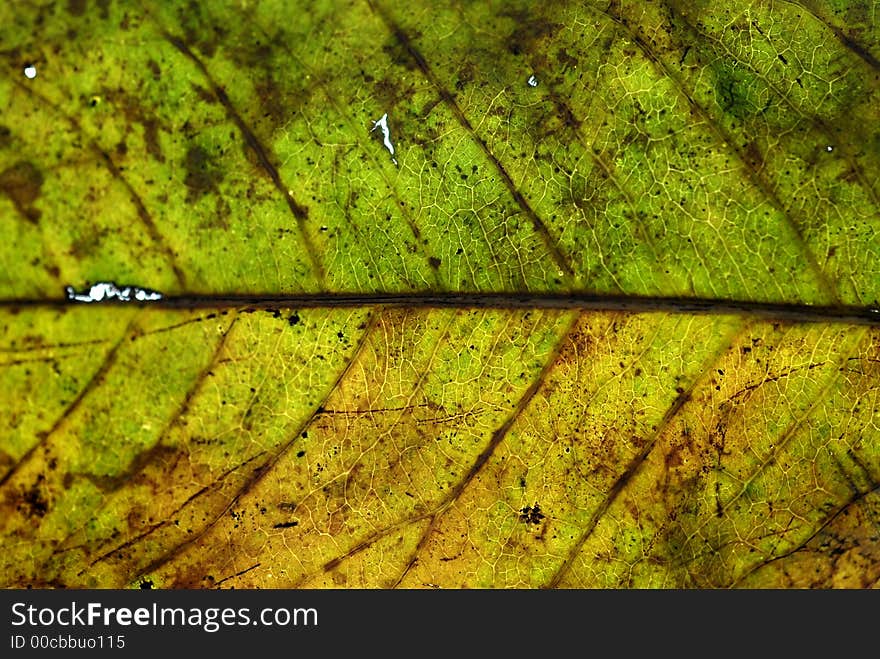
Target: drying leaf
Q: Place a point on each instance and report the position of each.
(674, 150)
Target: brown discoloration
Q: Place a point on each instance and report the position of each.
(399, 53)
(389, 92)
(564, 58)
(753, 156)
(6, 462)
(22, 184)
(151, 138)
(135, 113)
(257, 475)
(202, 173)
(33, 501)
(5, 137)
(199, 31)
(205, 95)
(76, 7)
(528, 31)
(843, 553)
(275, 104)
(158, 453)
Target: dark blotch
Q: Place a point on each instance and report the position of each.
(531, 515)
(22, 183)
(151, 138)
(202, 176)
(731, 92)
(200, 33)
(6, 462)
(434, 262)
(34, 500)
(76, 7)
(293, 319)
(528, 31)
(400, 54)
(285, 525)
(5, 136)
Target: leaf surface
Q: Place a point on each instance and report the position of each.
(670, 150)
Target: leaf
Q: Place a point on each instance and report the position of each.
(642, 155)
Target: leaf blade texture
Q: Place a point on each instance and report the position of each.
(672, 150)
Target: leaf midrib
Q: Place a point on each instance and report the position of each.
(584, 301)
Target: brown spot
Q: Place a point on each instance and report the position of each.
(388, 92)
(135, 113)
(5, 136)
(566, 115)
(528, 31)
(202, 176)
(564, 58)
(673, 457)
(138, 516)
(7, 462)
(434, 262)
(466, 75)
(272, 102)
(34, 500)
(104, 8)
(21, 183)
(753, 156)
(205, 95)
(154, 69)
(337, 524)
(399, 52)
(166, 455)
(199, 31)
(151, 138)
(76, 7)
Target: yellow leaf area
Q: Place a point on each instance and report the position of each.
(669, 149)
(439, 448)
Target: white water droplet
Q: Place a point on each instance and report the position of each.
(30, 72)
(829, 148)
(533, 81)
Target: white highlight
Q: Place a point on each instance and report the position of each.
(386, 135)
(829, 148)
(30, 72)
(104, 291)
(533, 81)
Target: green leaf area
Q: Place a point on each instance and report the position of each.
(722, 151)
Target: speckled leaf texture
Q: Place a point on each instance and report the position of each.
(718, 150)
